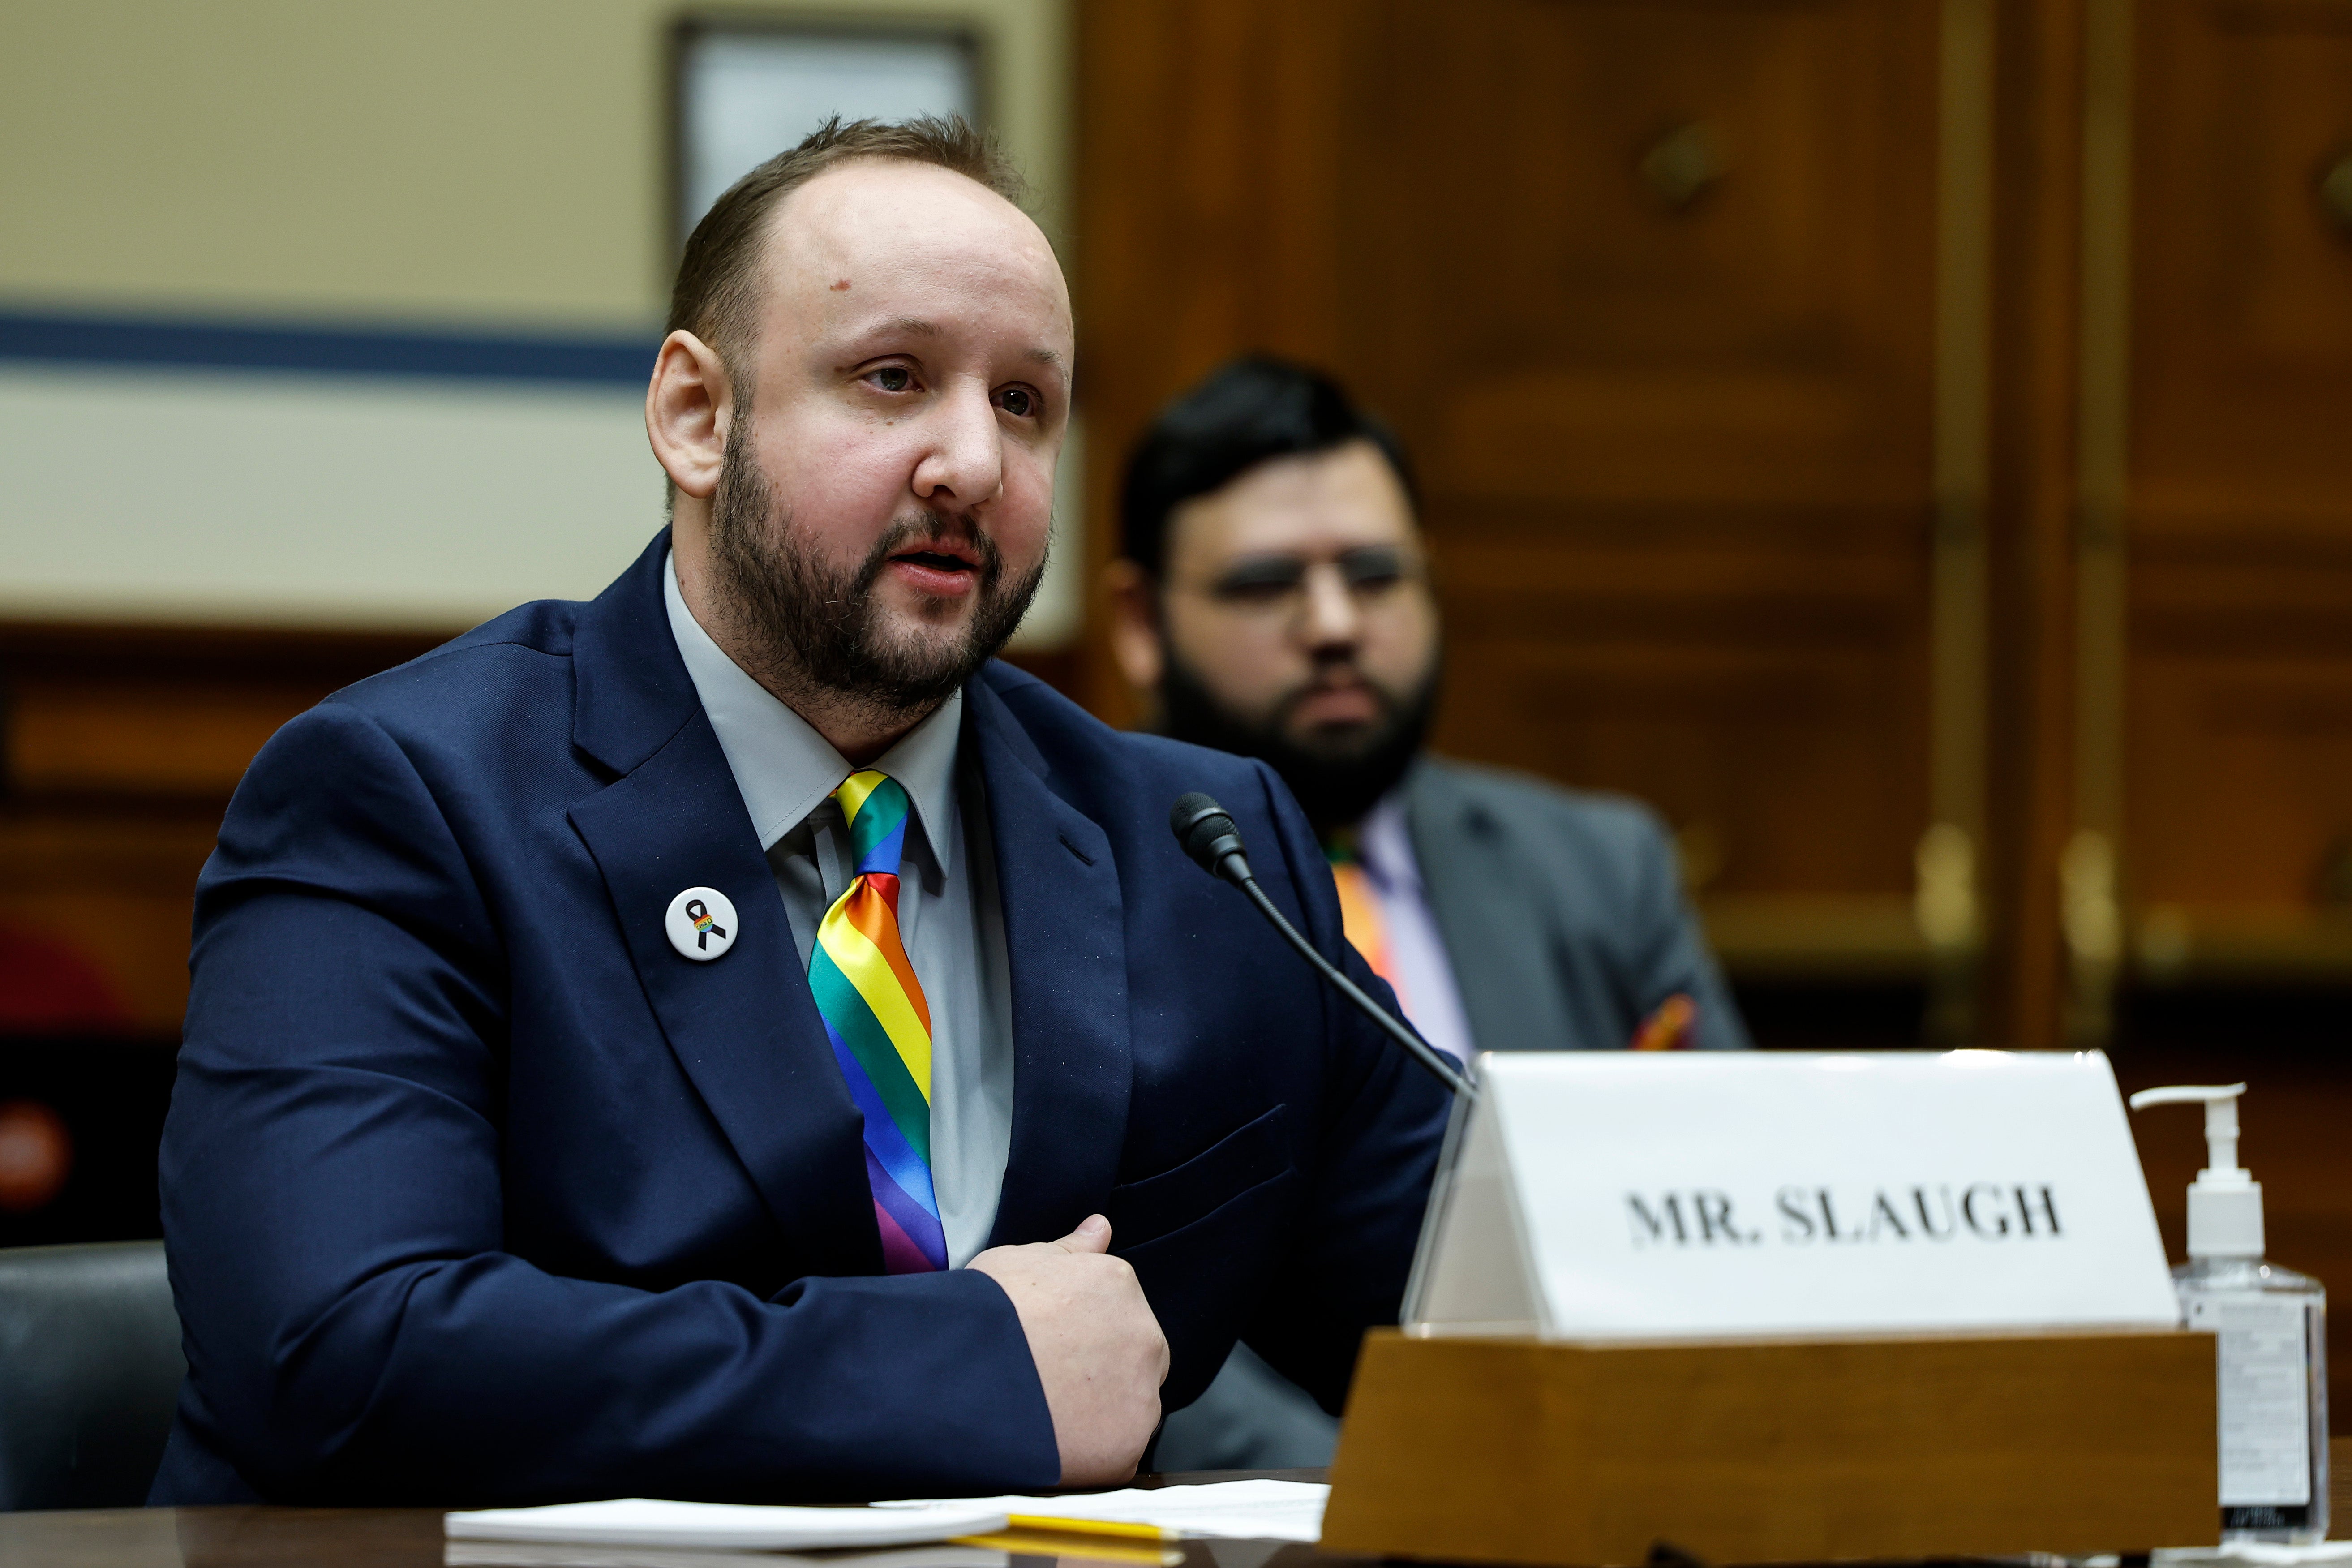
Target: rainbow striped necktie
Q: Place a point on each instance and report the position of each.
(880, 1025)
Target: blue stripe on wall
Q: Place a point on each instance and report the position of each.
(130, 340)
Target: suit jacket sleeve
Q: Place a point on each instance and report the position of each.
(331, 1174)
(1670, 956)
(1383, 1120)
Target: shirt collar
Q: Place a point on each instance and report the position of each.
(785, 769)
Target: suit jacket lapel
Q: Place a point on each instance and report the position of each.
(743, 1028)
(1065, 937)
(1494, 934)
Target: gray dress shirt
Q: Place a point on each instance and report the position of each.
(950, 916)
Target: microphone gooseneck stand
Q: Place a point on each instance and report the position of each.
(1208, 835)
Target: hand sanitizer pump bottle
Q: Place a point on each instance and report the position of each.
(2273, 1350)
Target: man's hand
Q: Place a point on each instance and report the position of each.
(1098, 1350)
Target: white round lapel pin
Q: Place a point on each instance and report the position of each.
(701, 923)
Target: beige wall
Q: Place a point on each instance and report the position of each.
(495, 165)
(494, 161)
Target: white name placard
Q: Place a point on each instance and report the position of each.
(1613, 1194)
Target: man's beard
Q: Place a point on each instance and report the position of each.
(1338, 773)
(801, 627)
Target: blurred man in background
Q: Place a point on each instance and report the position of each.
(1274, 601)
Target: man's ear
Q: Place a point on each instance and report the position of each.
(690, 407)
(1135, 625)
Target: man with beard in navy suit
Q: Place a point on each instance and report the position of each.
(732, 1040)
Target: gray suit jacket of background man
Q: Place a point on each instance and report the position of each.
(1562, 911)
(1563, 915)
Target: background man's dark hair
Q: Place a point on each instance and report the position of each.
(717, 294)
(1255, 408)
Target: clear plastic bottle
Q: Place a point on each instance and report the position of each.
(2270, 1324)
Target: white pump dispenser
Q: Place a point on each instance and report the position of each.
(2225, 1201)
(2270, 1324)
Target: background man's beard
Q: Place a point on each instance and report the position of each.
(802, 626)
(1339, 774)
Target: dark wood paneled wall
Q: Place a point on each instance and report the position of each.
(1673, 423)
(2238, 716)
(1732, 505)
(1649, 290)
(120, 746)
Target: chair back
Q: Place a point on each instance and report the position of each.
(89, 1372)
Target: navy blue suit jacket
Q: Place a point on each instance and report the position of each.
(478, 1192)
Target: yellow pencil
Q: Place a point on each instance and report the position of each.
(1061, 1526)
(1072, 1546)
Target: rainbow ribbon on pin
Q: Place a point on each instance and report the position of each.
(880, 1025)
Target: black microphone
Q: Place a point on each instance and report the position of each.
(1210, 837)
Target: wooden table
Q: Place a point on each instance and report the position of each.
(411, 1537)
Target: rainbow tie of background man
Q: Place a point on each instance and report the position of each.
(880, 1025)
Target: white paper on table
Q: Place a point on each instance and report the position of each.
(1248, 1511)
(649, 1521)
(571, 1554)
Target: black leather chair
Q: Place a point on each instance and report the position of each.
(90, 1368)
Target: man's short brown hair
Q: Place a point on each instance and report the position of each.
(717, 295)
